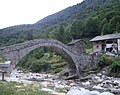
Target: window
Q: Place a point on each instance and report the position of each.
(97, 46)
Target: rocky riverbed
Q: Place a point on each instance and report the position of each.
(93, 84)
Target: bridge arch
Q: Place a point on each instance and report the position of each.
(16, 52)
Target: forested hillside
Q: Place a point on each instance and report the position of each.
(87, 19)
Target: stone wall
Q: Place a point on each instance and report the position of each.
(78, 46)
(97, 46)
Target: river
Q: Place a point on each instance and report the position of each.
(94, 84)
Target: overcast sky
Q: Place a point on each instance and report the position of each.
(15, 12)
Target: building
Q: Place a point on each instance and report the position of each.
(106, 43)
(78, 45)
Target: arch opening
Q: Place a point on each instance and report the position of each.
(16, 52)
(39, 60)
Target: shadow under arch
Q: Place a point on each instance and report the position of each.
(16, 52)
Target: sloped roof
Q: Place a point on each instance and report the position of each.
(75, 41)
(106, 37)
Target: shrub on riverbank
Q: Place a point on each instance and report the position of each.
(112, 62)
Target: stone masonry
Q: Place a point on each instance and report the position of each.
(77, 61)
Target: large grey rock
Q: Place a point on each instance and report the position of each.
(106, 93)
(95, 93)
(74, 92)
(116, 91)
(81, 91)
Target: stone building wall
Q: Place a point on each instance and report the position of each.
(97, 46)
(79, 47)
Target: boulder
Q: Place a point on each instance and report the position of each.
(74, 92)
(95, 93)
(98, 87)
(86, 83)
(72, 77)
(106, 93)
(87, 77)
(81, 91)
(116, 91)
(47, 90)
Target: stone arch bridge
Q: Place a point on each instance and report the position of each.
(15, 53)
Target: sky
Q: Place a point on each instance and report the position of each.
(16, 12)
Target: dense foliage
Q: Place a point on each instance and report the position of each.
(87, 19)
(113, 62)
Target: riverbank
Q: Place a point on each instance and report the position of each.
(94, 83)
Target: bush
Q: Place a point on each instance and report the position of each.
(113, 62)
(40, 67)
(115, 66)
(105, 61)
(2, 60)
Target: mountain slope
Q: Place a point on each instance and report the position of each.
(69, 13)
(100, 9)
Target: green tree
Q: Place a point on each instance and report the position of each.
(92, 27)
(114, 23)
(105, 29)
(77, 29)
(80, 28)
(67, 33)
(118, 27)
(103, 25)
(110, 15)
(29, 34)
(53, 33)
(60, 33)
(74, 30)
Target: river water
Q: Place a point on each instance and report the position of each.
(95, 83)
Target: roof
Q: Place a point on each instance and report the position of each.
(106, 37)
(75, 41)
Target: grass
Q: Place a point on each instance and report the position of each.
(89, 50)
(88, 45)
(13, 88)
(2, 60)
